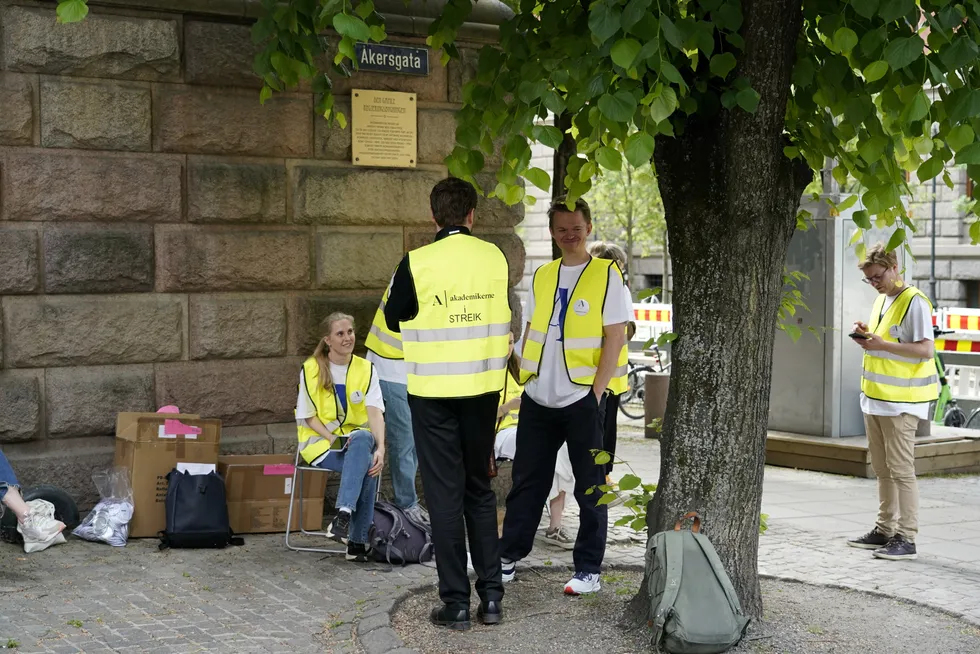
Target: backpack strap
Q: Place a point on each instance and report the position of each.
(674, 554)
(719, 569)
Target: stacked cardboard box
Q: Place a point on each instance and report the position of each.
(258, 489)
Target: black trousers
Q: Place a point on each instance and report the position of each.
(540, 434)
(454, 441)
(609, 429)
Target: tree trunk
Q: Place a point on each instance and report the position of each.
(665, 278)
(731, 198)
(564, 152)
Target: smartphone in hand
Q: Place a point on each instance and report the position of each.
(857, 335)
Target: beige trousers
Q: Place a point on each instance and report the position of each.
(891, 442)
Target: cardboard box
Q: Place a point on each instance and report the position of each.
(258, 489)
(150, 453)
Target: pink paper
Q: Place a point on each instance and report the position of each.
(173, 427)
(278, 469)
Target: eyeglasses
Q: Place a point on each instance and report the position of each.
(874, 279)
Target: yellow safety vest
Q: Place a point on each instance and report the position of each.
(512, 389)
(381, 340)
(329, 410)
(892, 378)
(583, 335)
(457, 344)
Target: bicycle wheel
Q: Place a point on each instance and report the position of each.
(631, 404)
(973, 422)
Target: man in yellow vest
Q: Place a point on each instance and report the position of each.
(574, 350)
(449, 302)
(898, 383)
(385, 352)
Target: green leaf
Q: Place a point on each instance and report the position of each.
(845, 40)
(587, 171)
(722, 64)
(728, 16)
(961, 52)
(553, 102)
(671, 33)
(791, 152)
(547, 135)
(604, 21)
(602, 458)
(639, 524)
(865, 8)
(975, 232)
(364, 9)
(629, 482)
(624, 52)
(639, 149)
(609, 158)
(352, 26)
(892, 10)
(633, 12)
(607, 498)
(748, 99)
(963, 105)
(960, 137)
(860, 251)
(968, 155)
(539, 178)
(378, 33)
(792, 331)
(918, 109)
(663, 105)
(513, 195)
(903, 51)
(929, 168)
(618, 107)
(872, 149)
(529, 91)
(898, 237)
(71, 11)
(265, 94)
(875, 70)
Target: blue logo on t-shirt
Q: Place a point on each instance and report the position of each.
(341, 390)
(562, 310)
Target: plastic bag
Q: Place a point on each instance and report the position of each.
(108, 522)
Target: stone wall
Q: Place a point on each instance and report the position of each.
(166, 239)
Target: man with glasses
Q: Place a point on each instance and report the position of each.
(898, 383)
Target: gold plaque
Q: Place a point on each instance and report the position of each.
(384, 128)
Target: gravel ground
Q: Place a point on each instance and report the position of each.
(800, 619)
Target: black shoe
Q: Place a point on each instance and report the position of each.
(897, 549)
(457, 619)
(870, 541)
(340, 526)
(358, 552)
(490, 613)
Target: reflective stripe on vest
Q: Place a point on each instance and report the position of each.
(381, 340)
(891, 377)
(583, 339)
(329, 410)
(456, 346)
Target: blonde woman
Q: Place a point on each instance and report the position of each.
(340, 425)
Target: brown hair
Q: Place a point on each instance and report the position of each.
(603, 250)
(451, 200)
(560, 205)
(879, 256)
(320, 353)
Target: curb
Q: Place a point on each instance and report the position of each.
(375, 634)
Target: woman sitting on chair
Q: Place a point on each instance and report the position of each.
(340, 423)
(505, 446)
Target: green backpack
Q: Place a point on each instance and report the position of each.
(697, 611)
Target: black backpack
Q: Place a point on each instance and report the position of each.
(197, 512)
(396, 538)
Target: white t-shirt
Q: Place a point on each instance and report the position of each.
(552, 387)
(916, 326)
(305, 408)
(392, 371)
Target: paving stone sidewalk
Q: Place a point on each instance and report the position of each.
(260, 597)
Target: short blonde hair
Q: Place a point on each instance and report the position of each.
(877, 255)
(603, 250)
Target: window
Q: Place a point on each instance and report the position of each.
(972, 288)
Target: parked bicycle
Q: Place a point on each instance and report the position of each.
(632, 402)
(947, 411)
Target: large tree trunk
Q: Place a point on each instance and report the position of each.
(731, 198)
(564, 152)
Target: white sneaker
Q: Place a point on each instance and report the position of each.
(508, 570)
(39, 529)
(582, 583)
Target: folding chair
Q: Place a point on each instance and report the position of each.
(296, 502)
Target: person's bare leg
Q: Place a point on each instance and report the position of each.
(13, 501)
(557, 508)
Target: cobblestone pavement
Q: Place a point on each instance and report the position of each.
(260, 597)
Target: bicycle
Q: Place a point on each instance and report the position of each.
(947, 411)
(631, 404)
